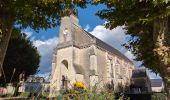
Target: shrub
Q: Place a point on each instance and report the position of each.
(25, 94)
(81, 92)
(158, 96)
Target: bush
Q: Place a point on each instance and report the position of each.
(158, 96)
(24, 94)
(45, 94)
(81, 94)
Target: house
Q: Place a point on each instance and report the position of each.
(34, 84)
(157, 85)
(140, 88)
(140, 82)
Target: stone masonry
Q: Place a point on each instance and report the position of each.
(80, 56)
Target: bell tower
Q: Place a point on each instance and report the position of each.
(66, 27)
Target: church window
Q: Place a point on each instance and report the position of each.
(110, 68)
(65, 63)
(93, 63)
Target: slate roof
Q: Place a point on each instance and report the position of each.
(104, 45)
(137, 73)
(107, 47)
(111, 49)
(156, 82)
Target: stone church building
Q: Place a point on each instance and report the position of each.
(80, 56)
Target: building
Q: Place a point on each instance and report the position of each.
(157, 85)
(32, 87)
(80, 56)
(140, 81)
(34, 84)
(46, 87)
(140, 88)
(33, 78)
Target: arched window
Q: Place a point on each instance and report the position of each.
(65, 63)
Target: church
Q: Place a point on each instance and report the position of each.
(81, 57)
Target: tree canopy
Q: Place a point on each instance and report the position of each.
(36, 14)
(147, 21)
(21, 57)
(138, 16)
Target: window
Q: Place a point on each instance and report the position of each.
(93, 63)
(65, 63)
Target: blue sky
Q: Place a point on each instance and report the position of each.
(86, 17)
(46, 41)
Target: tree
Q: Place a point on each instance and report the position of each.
(36, 14)
(147, 21)
(21, 56)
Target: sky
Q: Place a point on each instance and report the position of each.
(46, 41)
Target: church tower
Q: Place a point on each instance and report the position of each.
(66, 27)
(65, 55)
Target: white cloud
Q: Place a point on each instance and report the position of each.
(115, 37)
(87, 27)
(45, 49)
(129, 55)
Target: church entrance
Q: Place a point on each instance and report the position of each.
(64, 74)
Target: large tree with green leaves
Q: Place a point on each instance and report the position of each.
(147, 21)
(21, 57)
(37, 14)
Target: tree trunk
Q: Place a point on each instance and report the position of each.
(6, 26)
(162, 49)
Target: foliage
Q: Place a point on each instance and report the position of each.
(24, 94)
(138, 16)
(98, 96)
(147, 22)
(88, 95)
(38, 14)
(105, 93)
(158, 96)
(79, 87)
(45, 94)
(109, 88)
(35, 14)
(21, 56)
(42, 95)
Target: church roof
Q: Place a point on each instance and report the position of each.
(139, 73)
(107, 47)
